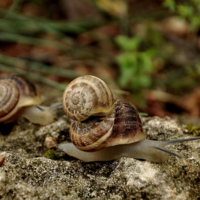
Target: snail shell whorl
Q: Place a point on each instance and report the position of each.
(127, 126)
(9, 96)
(121, 126)
(15, 93)
(90, 134)
(86, 96)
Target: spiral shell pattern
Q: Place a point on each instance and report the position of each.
(127, 126)
(90, 135)
(9, 96)
(121, 126)
(15, 92)
(86, 96)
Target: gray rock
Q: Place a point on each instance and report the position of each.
(28, 174)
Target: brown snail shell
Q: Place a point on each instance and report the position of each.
(121, 126)
(118, 129)
(86, 96)
(16, 93)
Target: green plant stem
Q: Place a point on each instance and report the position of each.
(33, 76)
(143, 114)
(38, 67)
(27, 27)
(21, 39)
(21, 22)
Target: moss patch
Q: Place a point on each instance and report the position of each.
(51, 154)
(193, 129)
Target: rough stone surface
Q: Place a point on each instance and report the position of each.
(27, 174)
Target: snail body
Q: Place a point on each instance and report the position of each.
(19, 97)
(118, 133)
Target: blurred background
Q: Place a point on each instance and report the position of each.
(147, 51)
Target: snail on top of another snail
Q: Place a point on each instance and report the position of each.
(105, 129)
(19, 97)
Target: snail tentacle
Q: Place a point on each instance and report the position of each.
(116, 133)
(139, 150)
(149, 150)
(19, 97)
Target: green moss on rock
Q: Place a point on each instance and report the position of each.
(51, 154)
(193, 129)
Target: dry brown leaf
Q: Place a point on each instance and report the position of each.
(117, 8)
(2, 159)
(189, 103)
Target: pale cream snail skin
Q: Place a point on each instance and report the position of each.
(20, 98)
(144, 149)
(116, 133)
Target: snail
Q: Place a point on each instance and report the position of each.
(20, 98)
(112, 131)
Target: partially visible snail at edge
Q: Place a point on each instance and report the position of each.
(112, 131)
(20, 98)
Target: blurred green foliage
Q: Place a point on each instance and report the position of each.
(176, 61)
(135, 66)
(189, 10)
